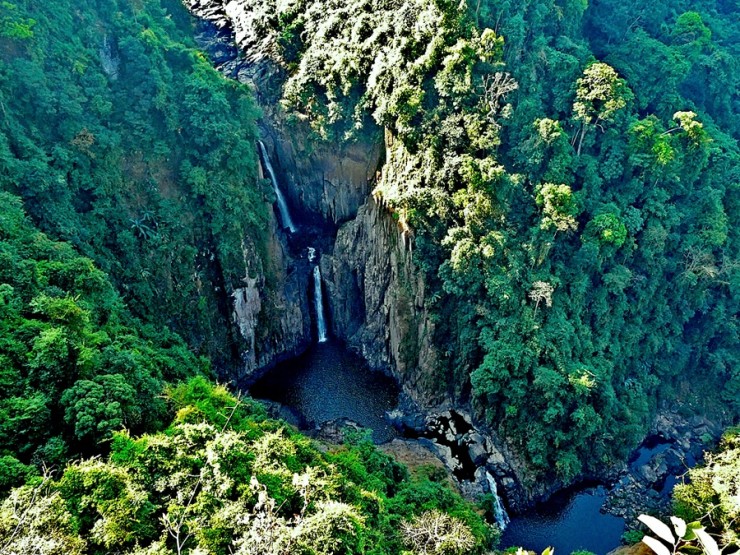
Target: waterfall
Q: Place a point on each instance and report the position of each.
(502, 519)
(282, 205)
(319, 300)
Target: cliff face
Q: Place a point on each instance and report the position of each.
(273, 322)
(325, 183)
(377, 302)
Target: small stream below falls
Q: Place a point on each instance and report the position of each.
(330, 382)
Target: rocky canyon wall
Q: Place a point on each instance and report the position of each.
(376, 296)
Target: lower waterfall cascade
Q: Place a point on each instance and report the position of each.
(502, 518)
(318, 298)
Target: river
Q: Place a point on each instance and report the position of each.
(329, 382)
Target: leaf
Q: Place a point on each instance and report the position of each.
(707, 541)
(549, 551)
(656, 545)
(662, 530)
(691, 526)
(679, 525)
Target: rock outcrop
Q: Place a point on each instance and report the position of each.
(377, 302)
(273, 322)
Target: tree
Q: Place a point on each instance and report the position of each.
(607, 229)
(34, 519)
(558, 207)
(690, 29)
(435, 533)
(541, 291)
(96, 408)
(600, 95)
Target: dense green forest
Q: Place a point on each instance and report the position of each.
(123, 141)
(570, 172)
(76, 365)
(222, 479)
(113, 141)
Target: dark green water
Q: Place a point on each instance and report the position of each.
(569, 521)
(330, 382)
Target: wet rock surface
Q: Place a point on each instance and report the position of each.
(674, 445)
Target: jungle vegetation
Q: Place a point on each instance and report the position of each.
(128, 190)
(123, 141)
(223, 479)
(568, 170)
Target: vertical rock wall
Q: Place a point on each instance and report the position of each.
(326, 183)
(270, 310)
(376, 301)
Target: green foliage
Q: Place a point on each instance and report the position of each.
(13, 473)
(690, 28)
(14, 26)
(558, 207)
(607, 229)
(123, 141)
(710, 493)
(631, 537)
(600, 94)
(223, 479)
(689, 537)
(76, 365)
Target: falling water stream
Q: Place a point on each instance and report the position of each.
(502, 518)
(318, 299)
(282, 205)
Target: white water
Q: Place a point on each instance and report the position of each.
(319, 300)
(502, 519)
(282, 205)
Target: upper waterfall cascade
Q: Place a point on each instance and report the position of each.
(318, 298)
(282, 204)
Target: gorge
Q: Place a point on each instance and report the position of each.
(377, 297)
(465, 271)
(316, 395)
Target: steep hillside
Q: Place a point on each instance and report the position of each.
(76, 365)
(122, 140)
